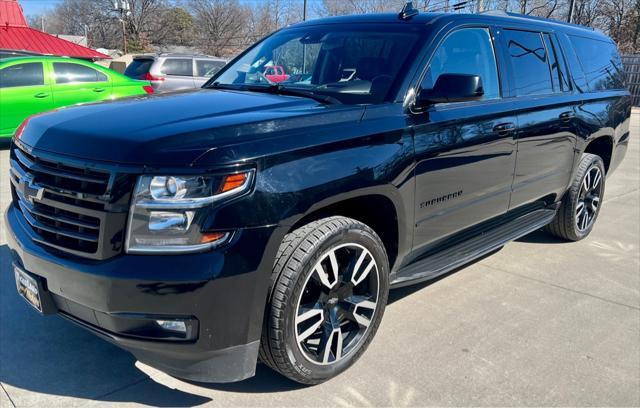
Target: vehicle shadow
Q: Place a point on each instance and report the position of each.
(49, 355)
(265, 381)
(5, 144)
(541, 237)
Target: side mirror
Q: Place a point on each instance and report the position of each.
(452, 88)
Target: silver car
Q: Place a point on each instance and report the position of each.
(172, 72)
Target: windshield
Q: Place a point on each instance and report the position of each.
(350, 64)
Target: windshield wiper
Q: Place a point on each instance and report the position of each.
(282, 90)
(218, 85)
(277, 89)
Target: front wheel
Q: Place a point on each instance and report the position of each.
(580, 207)
(330, 288)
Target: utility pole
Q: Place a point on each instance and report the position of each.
(304, 11)
(480, 6)
(42, 23)
(572, 6)
(123, 8)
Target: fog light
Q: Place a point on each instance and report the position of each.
(173, 325)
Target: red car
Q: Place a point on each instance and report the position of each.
(275, 73)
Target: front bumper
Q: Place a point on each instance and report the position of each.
(223, 291)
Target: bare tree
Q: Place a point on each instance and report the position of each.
(342, 7)
(221, 25)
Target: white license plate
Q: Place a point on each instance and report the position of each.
(28, 288)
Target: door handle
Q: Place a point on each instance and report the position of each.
(98, 90)
(567, 116)
(41, 95)
(504, 129)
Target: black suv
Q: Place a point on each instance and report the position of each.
(265, 218)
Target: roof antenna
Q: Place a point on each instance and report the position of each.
(408, 11)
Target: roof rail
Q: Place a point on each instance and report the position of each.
(503, 13)
(186, 54)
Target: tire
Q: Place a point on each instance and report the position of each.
(584, 199)
(295, 321)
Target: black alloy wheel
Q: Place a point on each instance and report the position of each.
(581, 204)
(330, 285)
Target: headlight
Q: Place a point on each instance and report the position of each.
(167, 211)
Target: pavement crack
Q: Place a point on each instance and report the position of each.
(7, 394)
(579, 292)
(124, 387)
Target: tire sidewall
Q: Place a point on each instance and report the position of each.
(592, 160)
(315, 372)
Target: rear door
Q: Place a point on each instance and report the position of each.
(177, 73)
(77, 83)
(547, 107)
(205, 69)
(24, 90)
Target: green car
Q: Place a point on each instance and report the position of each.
(30, 85)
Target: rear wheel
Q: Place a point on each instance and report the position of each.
(330, 287)
(580, 207)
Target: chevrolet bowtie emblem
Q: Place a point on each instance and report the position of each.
(31, 191)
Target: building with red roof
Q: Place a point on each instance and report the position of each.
(15, 34)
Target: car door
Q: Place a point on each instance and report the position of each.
(465, 151)
(546, 135)
(205, 69)
(24, 91)
(76, 83)
(177, 73)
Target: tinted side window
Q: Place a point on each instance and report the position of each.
(601, 63)
(207, 68)
(30, 74)
(578, 80)
(466, 51)
(67, 73)
(529, 63)
(180, 67)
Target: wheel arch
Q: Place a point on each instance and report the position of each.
(601, 146)
(374, 209)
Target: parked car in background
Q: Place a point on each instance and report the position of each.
(30, 85)
(275, 73)
(173, 72)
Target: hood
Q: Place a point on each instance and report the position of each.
(166, 130)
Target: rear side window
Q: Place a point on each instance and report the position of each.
(466, 51)
(138, 68)
(529, 63)
(179, 67)
(206, 68)
(601, 63)
(31, 74)
(67, 73)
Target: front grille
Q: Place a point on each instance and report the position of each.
(70, 207)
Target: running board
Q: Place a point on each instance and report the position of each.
(466, 251)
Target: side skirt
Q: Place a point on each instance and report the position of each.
(466, 251)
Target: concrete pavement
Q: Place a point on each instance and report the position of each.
(540, 322)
